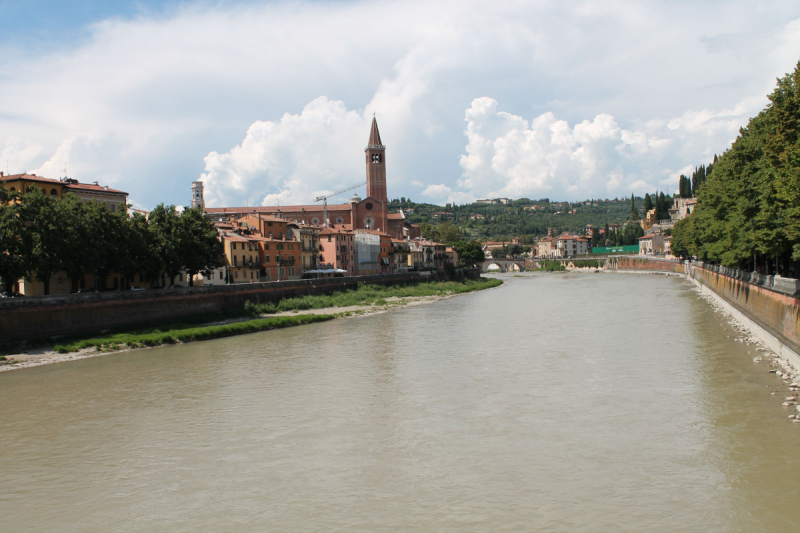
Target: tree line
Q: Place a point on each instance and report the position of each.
(748, 209)
(41, 236)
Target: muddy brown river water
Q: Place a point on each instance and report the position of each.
(558, 402)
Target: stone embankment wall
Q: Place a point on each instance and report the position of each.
(32, 318)
(771, 302)
(635, 263)
(774, 306)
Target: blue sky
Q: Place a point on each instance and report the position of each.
(271, 102)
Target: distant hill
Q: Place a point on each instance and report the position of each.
(522, 217)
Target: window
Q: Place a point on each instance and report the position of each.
(244, 259)
(251, 274)
(329, 238)
(269, 224)
(141, 278)
(113, 207)
(376, 158)
(180, 277)
(283, 272)
(233, 246)
(339, 220)
(236, 274)
(53, 192)
(315, 221)
(220, 274)
(13, 189)
(292, 271)
(266, 259)
(266, 247)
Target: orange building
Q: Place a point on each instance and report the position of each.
(281, 259)
(111, 198)
(370, 213)
(336, 245)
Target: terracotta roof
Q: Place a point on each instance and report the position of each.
(334, 229)
(373, 232)
(396, 216)
(268, 218)
(29, 177)
(75, 185)
(275, 209)
(233, 237)
(92, 187)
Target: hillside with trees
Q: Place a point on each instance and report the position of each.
(524, 218)
(748, 211)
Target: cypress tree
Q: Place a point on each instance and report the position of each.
(634, 211)
(648, 203)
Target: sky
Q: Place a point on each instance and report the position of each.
(269, 103)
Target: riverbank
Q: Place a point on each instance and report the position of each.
(364, 301)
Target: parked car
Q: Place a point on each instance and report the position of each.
(208, 284)
(137, 288)
(86, 290)
(12, 294)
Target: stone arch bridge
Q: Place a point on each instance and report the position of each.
(503, 265)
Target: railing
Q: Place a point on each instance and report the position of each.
(285, 260)
(775, 283)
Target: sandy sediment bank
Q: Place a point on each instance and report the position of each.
(45, 355)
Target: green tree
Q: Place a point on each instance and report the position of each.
(81, 245)
(46, 236)
(514, 250)
(12, 240)
(470, 253)
(631, 233)
(634, 211)
(448, 233)
(164, 225)
(199, 245)
(648, 204)
(427, 231)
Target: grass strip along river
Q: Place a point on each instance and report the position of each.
(365, 298)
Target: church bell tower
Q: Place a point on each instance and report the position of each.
(197, 194)
(376, 165)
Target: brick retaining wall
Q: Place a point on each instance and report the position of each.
(48, 316)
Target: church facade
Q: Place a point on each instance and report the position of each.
(370, 213)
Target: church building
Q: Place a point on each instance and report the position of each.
(371, 213)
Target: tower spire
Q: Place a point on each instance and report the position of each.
(374, 134)
(376, 165)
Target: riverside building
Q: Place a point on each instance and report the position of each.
(371, 213)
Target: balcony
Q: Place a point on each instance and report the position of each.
(285, 260)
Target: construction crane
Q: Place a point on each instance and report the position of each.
(324, 199)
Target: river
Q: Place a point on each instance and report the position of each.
(557, 402)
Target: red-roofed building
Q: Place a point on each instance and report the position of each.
(111, 198)
(336, 245)
(369, 213)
